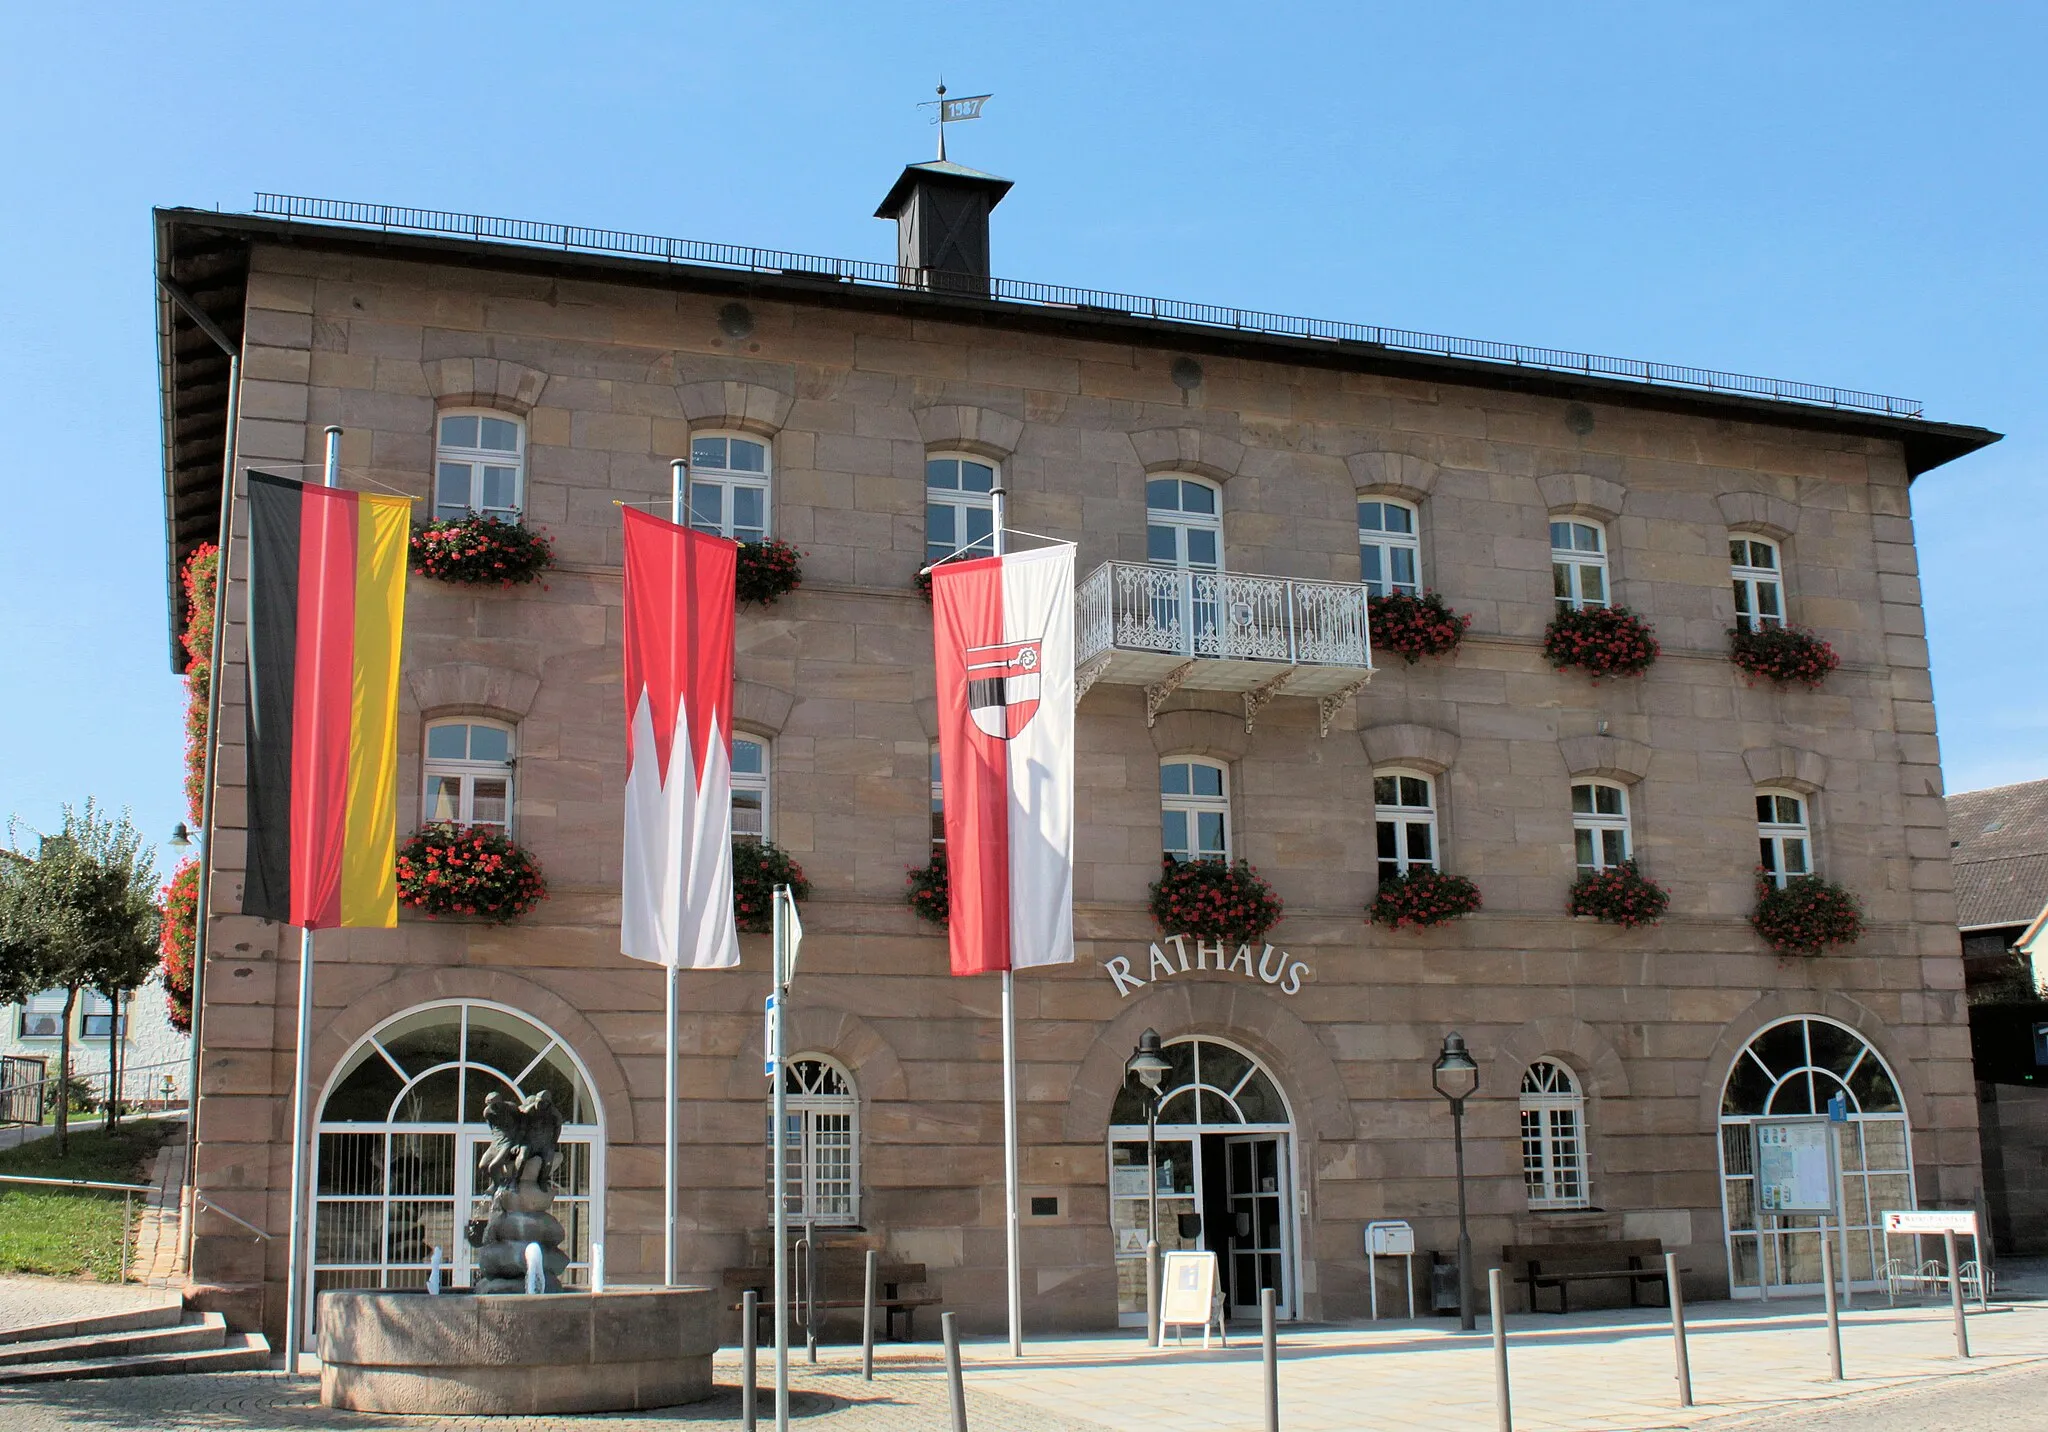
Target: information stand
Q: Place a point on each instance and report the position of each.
(1389, 1238)
(1918, 1223)
(1193, 1294)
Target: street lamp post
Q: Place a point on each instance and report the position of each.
(1151, 1068)
(1456, 1077)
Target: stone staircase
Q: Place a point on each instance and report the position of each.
(156, 1338)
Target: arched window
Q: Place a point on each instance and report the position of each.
(1389, 546)
(959, 506)
(1578, 563)
(1797, 1067)
(1601, 837)
(1194, 809)
(1404, 819)
(821, 1150)
(468, 773)
(1759, 582)
(1184, 523)
(1553, 1137)
(1783, 836)
(729, 487)
(749, 789)
(401, 1132)
(479, 466)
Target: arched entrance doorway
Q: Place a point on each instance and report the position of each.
(1225, 1176)
(1794, 1068)
(400, 1132)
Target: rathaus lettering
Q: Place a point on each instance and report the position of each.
(1275, 967)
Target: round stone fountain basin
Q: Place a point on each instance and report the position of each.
(511, 1354)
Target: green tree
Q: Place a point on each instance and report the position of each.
(80, 913)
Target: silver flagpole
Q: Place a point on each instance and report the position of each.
(678, 478)
(999, 500)
(297, 1301)
(781, 1106)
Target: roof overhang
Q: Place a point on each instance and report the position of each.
(207, 254)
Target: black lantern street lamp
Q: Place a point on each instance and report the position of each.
(1456, 1077)
(1151, 1068)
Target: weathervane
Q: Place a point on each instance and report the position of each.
(952, 111)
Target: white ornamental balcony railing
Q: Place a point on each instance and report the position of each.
(1169, 627)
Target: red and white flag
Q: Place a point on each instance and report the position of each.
(677, 892)
(1003, 632)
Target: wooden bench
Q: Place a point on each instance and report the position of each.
(842, 1283)
(1559, 1265)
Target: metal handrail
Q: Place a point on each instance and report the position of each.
(1045, 295)
(79, 1183)
(204, 1201)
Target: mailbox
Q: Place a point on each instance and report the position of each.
(1389, 1239)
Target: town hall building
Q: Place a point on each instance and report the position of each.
(1239, 486)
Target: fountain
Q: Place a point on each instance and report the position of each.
(516, 1342)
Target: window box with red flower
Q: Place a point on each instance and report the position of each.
(1600, 641)
(480, 551)
(175, 941)
(1618, 895)
(767, 571)
(758, 866)
(1214, 900)
(468, 870)
(1805, 915)
(929, 893)
(1783, 654)
(1421, 897)
(1412, 627)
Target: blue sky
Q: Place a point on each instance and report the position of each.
(1832, 192)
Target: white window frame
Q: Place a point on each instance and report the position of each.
(476, 459)
(1600, 823)
(961, 502)
(1554, 1149)
(1774, 833)
(1403, 818)
(1570, 564)
(938, 803)
(93, 1005)
(818, 1120)
(727, 480)
(1194, 806)
(467, 772)
(761, 783)
(1181, 523)
(1757, 587)
(1388, 543)
(41, 1015)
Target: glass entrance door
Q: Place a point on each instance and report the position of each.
(1255, 1183)
(1179, 1180)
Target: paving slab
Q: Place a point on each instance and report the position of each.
(27, 1301)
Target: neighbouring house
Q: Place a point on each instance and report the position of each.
(1249, 493)
(1998, 842)
(155, 1058)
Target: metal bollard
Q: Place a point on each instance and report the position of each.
(127, 1224)
(1270, 1335)
(1955, 1294)
(955, 1388)
(1675, 1292)
(750, 1303)
(1152, 1332)
(1827, 1279)
(1496, 1298)
(867, 1324)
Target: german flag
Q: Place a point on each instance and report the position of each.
(326, 612)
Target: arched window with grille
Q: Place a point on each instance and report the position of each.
(1553, 1137)
(821, 1145)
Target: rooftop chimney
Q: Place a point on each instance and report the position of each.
(941, 211)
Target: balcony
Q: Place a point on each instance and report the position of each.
(1167, 628)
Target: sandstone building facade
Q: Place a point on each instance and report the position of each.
(1620, 1068)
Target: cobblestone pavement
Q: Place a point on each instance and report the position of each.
(902, 1398)
(2010, 1400)
(157, 1244)
(26, 1301)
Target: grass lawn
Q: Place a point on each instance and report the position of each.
(74, 1233)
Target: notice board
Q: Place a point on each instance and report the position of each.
(1795, 1166)
(1190, 1291)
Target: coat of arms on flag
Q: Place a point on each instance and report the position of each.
(1002, 687)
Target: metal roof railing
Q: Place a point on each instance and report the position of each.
(1045, 295)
